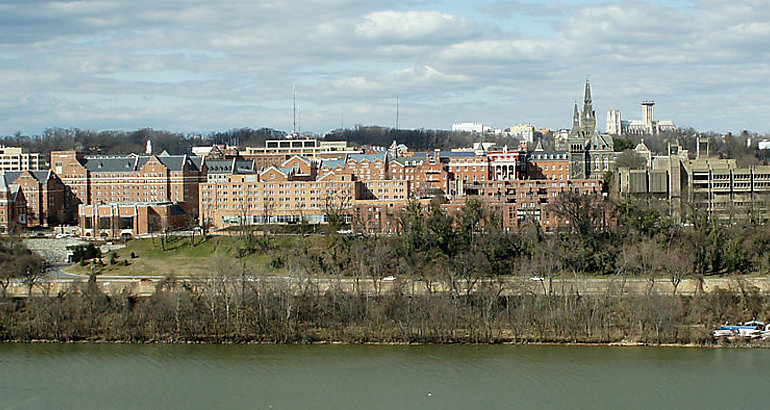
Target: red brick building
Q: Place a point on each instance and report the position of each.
(13, 206)
(129, 179)
(528, 199)
(553, 165)
(120, 220)
(467, 166)
(44, 194)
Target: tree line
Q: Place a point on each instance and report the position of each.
(229, 309)
(462, 263)
(114, 142)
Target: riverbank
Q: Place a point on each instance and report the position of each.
(741, 344)
(259, 312)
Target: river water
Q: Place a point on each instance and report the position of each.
(102, 376)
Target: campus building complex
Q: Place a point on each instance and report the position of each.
(292, 181)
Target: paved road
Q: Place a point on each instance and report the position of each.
(145, 285)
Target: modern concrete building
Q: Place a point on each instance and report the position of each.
(18, 159)
(308, 147)
(473, 127)
(716, 186)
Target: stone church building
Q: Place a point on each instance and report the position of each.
(591, 154)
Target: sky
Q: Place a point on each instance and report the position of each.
(197, 66)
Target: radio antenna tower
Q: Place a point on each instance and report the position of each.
(294, 115)
(396, 111)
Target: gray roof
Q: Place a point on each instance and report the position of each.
(244, 166)
(369, 157)
(230, 166)
(135, 162)
(173, 162)
(413, 160)
(8, 186)
(461, 154)
(40, 176)
(333, 163)
(111, 164)
(548, 154)
(220, 166)
(11, 176)
(196, 161)
(302, 157)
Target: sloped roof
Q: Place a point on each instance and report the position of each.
(284, 171)
(244, 167)
(134, 162)
(197, 162)
(111, 164)
(598, 141)
(409, 161)
(551, 155)
(177, 210)
(12, 176)
(456, 154)
(220, 166)
(42, 176)
(301, 157)
(173, 162)
(333, 163)
(382, 156)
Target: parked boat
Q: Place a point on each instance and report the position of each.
(751, 330)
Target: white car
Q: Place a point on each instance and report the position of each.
(389, 279)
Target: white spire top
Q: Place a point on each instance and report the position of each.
(148, 149)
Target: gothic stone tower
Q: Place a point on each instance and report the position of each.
(588, 116)
(590, 153)
(576, 145)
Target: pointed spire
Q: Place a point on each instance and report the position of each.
(576, 117)
(587, 95)
(588, 116)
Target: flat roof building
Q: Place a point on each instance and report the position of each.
(18, 159)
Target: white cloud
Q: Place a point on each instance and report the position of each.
(424, 26)
(207, 65)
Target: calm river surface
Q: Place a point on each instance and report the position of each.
(379, 377)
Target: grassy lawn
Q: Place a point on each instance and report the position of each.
(179, 259)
